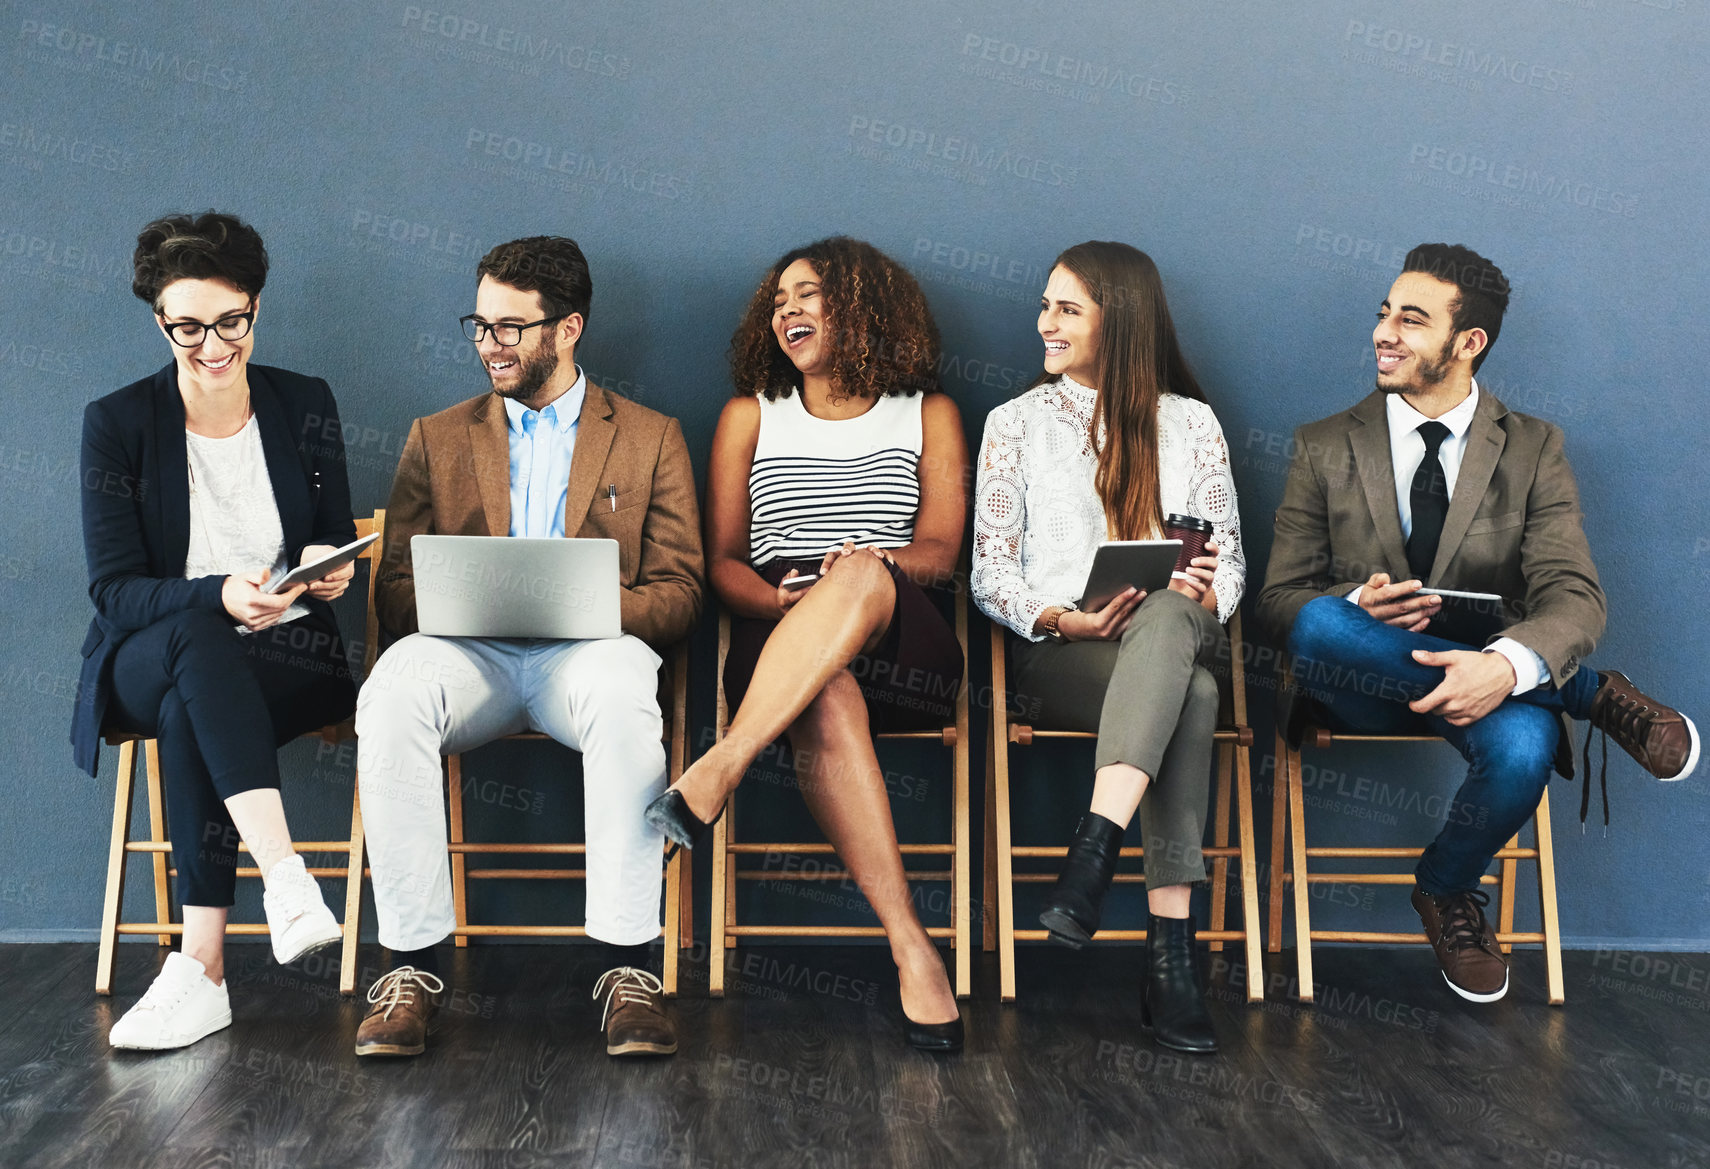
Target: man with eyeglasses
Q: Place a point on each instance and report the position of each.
(545, 454)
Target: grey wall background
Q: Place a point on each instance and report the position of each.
(1276, 161)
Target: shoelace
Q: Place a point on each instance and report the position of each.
(1602, 780)
(1463, 919)
(1632, 721)
(626, 985)
(397, 988)
(163, 996)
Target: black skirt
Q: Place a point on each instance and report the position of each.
(910, 679)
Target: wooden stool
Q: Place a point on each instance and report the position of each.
(726, 870)
(121, 845)
(679, 915)
(1234, 738)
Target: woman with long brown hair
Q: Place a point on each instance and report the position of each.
(835, 498)
(1114, 436)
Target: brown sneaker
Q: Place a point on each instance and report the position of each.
(1663, 740)
(405, 1002)
(1466, 946)
(635, 1020)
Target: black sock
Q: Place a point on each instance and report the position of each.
(640, 957)
(425, 959)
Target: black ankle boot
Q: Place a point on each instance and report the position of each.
(1171, 1003)
(1071, 912)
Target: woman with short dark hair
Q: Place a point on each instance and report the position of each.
(838, 466)
(201, 483)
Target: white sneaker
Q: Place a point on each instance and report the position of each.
(298, 919)
(180, 1007)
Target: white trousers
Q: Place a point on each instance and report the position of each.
(434, 696)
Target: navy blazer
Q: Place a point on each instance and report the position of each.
(136, 510)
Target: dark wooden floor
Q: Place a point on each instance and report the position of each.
(803, 1065)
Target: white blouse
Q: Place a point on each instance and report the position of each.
(234, 519)
(1038, 519)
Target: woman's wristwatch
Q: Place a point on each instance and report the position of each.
(1048, 622)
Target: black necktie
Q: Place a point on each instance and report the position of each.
(1430, 501)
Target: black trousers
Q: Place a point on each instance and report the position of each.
(221, 705)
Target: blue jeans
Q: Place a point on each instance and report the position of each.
(1363, 672)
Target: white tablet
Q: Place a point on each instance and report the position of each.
(1121, 564)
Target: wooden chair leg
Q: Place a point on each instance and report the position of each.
(962, 866)
(1547, 901)
(988, 912)
(679, 759)
(352, 896)
(722, 899)
(113, 903)
(1220, 836)
(1249, 874)
(1279, 842)
(673, 922)
(1297, 852)
(454, 808)
(157, 834)
(1005, 866)
(1505, 895)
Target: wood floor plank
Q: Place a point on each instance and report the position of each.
(803, 1065)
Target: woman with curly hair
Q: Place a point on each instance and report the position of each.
(835, 498)
(1113, 437)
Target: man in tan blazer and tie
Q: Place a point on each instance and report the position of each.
(1430, 482)
(545, 454)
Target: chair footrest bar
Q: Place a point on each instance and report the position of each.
(1376, 937)
(1058, 851)
(1134, 935)
(1372, 879)
(1352, 852)
(822, 931)
(465, 847)
(520, 931)
(836, 875)
(525, 874)
(1043, 878)
(809, 849)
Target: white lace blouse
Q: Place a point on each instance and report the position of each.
(1038, 519)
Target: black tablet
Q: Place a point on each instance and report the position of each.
(1121, 564)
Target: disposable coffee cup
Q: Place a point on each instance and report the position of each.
(1193, 532)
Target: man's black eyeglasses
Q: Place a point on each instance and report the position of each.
(505, 334)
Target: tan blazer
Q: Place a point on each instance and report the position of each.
(455, 479)
(1513, 527)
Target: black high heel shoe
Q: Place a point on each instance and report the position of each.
(935, 1037)
(670, 814)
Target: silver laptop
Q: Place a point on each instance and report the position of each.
(508, 586)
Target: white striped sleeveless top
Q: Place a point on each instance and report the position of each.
(816, 482)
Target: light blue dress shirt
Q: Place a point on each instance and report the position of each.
(542, 443)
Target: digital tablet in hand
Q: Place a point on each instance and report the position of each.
(1470, 618)
(309, 573)
(1122, 564)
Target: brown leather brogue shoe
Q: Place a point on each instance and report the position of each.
(405, 1002)
(1466, 947)
(635, 1019)
(1663, 740)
